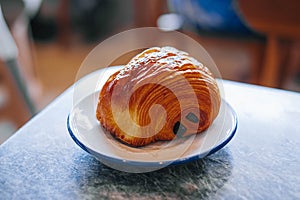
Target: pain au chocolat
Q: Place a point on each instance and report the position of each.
(162, 93)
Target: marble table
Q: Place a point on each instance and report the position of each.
(262, 161)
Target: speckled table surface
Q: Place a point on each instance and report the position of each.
(261, 162)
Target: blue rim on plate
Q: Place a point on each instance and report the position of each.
(116, 160)
(86, 132)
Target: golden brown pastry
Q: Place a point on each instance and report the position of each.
(160, 94)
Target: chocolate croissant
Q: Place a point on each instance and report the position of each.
(162, 93)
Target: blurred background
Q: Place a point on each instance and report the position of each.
(43, 43)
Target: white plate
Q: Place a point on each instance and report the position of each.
(86, 131)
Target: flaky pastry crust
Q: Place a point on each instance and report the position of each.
(160, 94)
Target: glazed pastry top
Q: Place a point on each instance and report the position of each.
(160, 93)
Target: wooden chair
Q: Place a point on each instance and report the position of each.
(279, 21)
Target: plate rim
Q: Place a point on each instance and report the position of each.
(187, 159)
